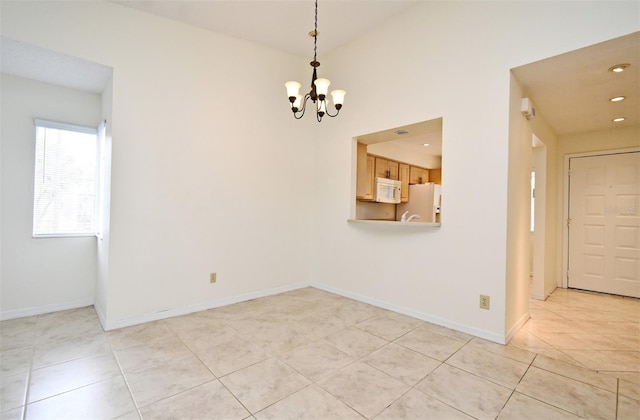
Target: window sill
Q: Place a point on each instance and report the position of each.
(64, 235)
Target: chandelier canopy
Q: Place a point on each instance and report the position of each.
(319, 87)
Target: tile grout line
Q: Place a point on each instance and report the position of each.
(617, 396)
(28, 384)
(352, 362)
(519, 382)
(124, 377)
(413, 387)
(33, 355)
(215, 378)
(537, 399)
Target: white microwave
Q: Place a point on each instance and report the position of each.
(387, 190)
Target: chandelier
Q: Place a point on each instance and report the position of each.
(319, 87)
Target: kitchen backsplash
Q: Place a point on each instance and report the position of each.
(366, 210)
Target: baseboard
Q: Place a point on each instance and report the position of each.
(538, 296)
(516, 327)
(487, 335)
(113, 325)
(39, 310)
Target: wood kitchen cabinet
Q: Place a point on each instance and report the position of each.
(435, 175)
(404, 172)
(418, 175)
(365, 172)
(370, 167)
(393, 170)
(386, 168)
(371, 163)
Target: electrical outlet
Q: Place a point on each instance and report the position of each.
(212, 278)
(485, 302)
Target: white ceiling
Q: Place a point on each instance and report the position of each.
(281, 24)
(414, 138)
(572, 90)
(31, 62)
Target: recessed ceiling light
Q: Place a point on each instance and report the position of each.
(618, 68)
(425, 144)
(617, 99)
(618, 119)
(401, 132)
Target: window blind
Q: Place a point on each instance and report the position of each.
(65, 182)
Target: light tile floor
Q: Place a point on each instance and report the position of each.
(309, 354)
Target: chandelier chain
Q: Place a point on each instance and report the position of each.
(315, 35)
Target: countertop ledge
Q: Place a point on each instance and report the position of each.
(394, 223)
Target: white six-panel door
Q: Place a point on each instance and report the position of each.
(604, 223)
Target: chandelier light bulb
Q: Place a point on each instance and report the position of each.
(322, 87)
(292, 89)
(322, 107)
(297, 103)
(338, 98)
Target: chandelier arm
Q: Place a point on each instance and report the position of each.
(334, 115)
(304, 107)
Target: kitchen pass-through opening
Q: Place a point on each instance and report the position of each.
(399, 174)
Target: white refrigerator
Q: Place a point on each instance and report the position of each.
(424, 200)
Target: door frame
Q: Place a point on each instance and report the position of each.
(565, 205)
(538, 253)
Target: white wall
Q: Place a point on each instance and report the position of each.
(210, 173)
(547, 218)
(592, 141)
(102, 274)
(44, 274)
(542, 249)
(518, 213)
(450, 60)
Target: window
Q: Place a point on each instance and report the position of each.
(66, 180)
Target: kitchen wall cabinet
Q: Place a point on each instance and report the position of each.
(386, 168)
(393, 170)
(371, 166)
(435, 175)
(418, 175)
(371, 163)
(365, 174)
(404, 171)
